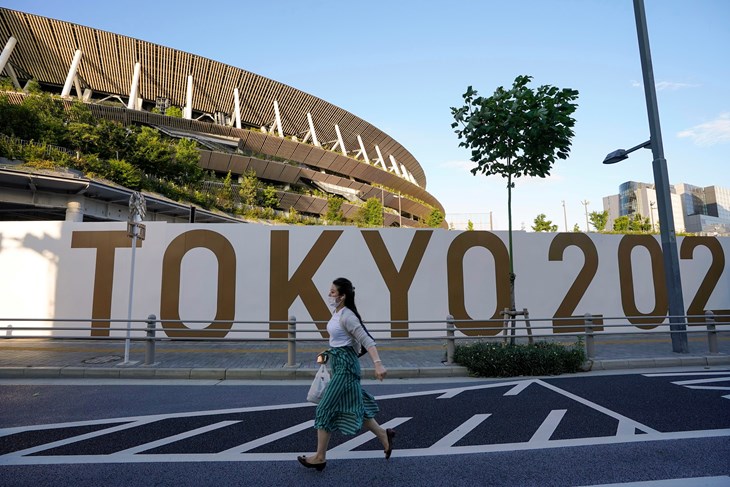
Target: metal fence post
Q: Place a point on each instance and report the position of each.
(149, 356)
(590, 345)
(450, 344)
(711, 333)
(292, 344)
(9, 331)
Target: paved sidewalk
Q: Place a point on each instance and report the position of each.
(421, 358)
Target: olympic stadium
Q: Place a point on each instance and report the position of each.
(241, 122)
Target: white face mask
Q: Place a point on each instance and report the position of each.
(333, 302)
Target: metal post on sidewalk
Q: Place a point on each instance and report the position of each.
(590, 345)
(291, 345)
(149, 356)
(450, 344)
(711, 332)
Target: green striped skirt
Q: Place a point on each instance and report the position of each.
(344, 404)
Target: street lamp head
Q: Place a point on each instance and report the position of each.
(621, 154)
(616, 156)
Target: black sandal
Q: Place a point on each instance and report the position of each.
(390, 433)
(319, 466)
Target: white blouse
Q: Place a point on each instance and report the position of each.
(345, 330)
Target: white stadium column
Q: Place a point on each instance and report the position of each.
(66, 92)
(277, 118)
(75, 209)
(340, 141)
(188, 111)
(311, 129)
(237, 108)
(13, 77)
(394, 165)
(134, 88)
(380, 157)
(7, 51)
(362, 149)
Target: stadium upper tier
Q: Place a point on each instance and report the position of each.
(227, 109)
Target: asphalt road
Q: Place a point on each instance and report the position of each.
(590, 429)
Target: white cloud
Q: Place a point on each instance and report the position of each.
(710, 133)
(665, 85)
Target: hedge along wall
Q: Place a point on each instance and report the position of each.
(236, 272)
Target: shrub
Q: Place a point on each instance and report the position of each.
(490, 359)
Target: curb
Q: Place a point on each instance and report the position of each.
(204, 373)
(645, 363)
(194, 373)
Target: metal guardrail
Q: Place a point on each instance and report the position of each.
(294, 334)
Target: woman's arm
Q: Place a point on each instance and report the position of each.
(380, 369)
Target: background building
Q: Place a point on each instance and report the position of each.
(309, 148)
(695, 209)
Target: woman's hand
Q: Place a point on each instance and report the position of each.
(380, 370)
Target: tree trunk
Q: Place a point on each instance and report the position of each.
(512, 276)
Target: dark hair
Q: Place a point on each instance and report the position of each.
(344, 286)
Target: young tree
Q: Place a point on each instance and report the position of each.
(370, 214)
(270, 197)
(249, 188)
(621, 224)
(576, 229)
(516, 132)
(334, 210)
(598, 220)
(469, 225)
(435, 218)
(542, 224)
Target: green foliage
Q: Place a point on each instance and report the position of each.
(598, 220)
(542, 224)
(435, 218)
(334, 210)
(248, 189)
(122, 172)
(639, 223)
(621, 224)
(293, 216)
(469, 225)
(225, 194)
(6, 84)
(576, 229)
(18, 120)
(173, 111)
(33, 87)
(50, 118)
(488, 359)
(270, 198)
(370, 214)
(517, 132)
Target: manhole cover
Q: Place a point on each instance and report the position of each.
(102, 360)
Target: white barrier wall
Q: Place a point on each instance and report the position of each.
(238, 272)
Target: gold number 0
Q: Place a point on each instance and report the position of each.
(557, 248)
(626, 281)
(455, 275)
(686, 251)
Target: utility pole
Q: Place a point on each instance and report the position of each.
(586, 203)
(565, 216)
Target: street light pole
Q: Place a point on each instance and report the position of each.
(586, 203)
(661, 182)
(565, 216)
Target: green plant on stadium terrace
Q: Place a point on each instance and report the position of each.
(46, 136)
(496, 359)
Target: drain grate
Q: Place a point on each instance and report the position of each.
(103, 360)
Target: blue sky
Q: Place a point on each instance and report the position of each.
(402, 64)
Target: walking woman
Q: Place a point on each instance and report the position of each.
(344, 405)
